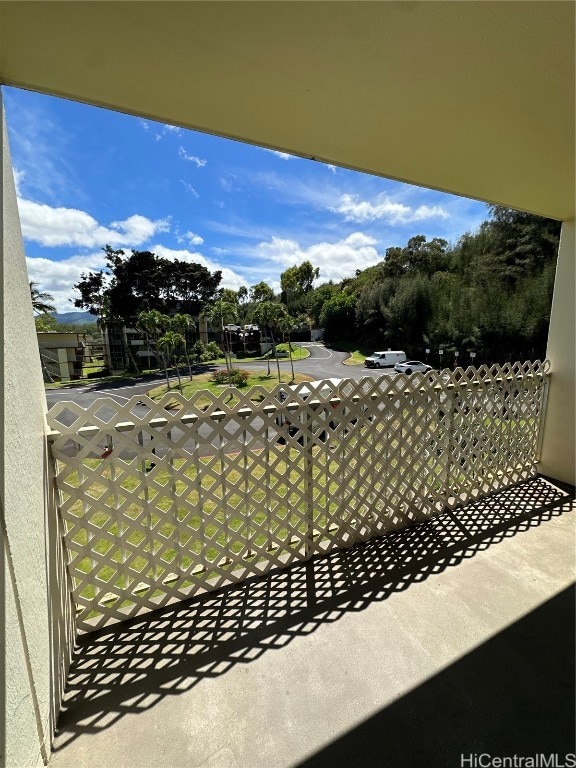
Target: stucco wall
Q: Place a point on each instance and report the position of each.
(558, 455)
(31, 612)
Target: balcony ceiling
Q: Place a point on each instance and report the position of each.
(474, 98)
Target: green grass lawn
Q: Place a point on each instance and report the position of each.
(197, 511)
(298, 353)
(203, 383)
(356, 358)
(188, 533)
(90, 371)
(357, 355)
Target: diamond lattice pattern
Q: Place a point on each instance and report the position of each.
(159, 504)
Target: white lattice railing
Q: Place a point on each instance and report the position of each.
(160, 504)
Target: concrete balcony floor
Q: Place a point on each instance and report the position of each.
(455, 636)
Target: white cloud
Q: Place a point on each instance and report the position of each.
(230, 182)
(230, 278)
(18, 179)
(53, 227)
(161, 130)
(200, 163)
(58, 277)
(335, 260)
(193, 239)
(385, 209)
(295, 190)
(282, 155)
(325, 195)
(189, 188)
(39, 147)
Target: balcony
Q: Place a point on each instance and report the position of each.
(355, 117)
(281, 581)
(453, 636)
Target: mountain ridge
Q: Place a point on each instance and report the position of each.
(73, 318)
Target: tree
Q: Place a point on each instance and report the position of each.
(169, 343)
(271, 315)
(227, 294)
(318, 297)
(181, 324)
(417, 256)
(93, 295)
(338, 317)
(217, 315)
(242, 298)
(296, 282)
(154, 325)
(408, 312)
(261, 292)
(41, 301)
(516, 245)
(285, 325)
(242, 294)
(45, 322)
(370, 309)
(142, 282)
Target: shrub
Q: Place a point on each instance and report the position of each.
(203, 353)
(237, 378)
(213, 351)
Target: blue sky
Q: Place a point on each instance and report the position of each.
(86, 177)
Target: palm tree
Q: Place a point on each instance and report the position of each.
(271, 315)
(285, 327)
(242, 298)
(180, 324)
(216, 315)
(40, 301)
(153, 325)
(169, 344)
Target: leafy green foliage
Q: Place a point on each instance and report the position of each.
(318, 297)
(274, 317)
(219, 314)
(41, 301)
(236, 377)
(45, 322)
(489, 293)
(338, 317)
(296, 282)
(203, 353)
(142, 282)
(261, 292)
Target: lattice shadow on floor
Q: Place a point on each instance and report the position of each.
(130, 667)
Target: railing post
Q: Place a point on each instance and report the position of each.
(308, 485)
(247, 502)
(450, 435)
(148, 513)
(542, 415)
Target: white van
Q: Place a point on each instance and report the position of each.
(386, 359)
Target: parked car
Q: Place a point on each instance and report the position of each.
(385, 359)
(412, 366)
